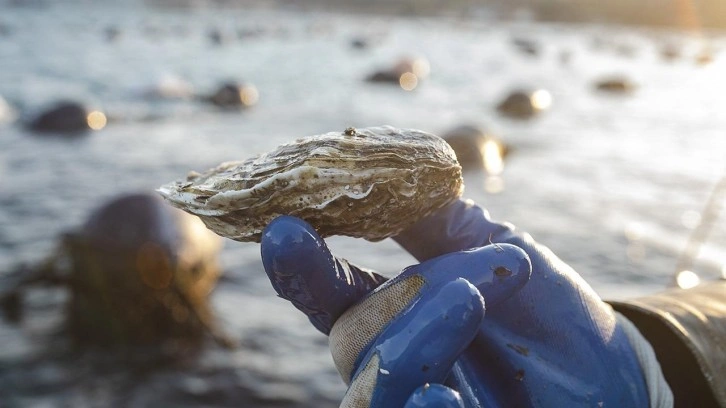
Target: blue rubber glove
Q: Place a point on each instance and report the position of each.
(434, 396)
(552, 342)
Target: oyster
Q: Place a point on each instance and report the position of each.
(370, 183)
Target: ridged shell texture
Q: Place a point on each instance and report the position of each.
(370, 183)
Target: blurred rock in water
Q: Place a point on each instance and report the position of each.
(68, 117)
(360, 43)
(140, 274)
(476, 150)
(705, 57)
(234, 95)
(12, 307)
(406, 72)
(526, 46)
(616, 84)
(217, 36)
(670, 52)
(523, 104)
(112, 33)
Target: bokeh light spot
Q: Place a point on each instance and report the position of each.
(421, 68)
(687, 279)
(248, 95)
(541, 99)
(690, 219)
(408, 81)
(96, 120)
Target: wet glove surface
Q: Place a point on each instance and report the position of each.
(500, 340)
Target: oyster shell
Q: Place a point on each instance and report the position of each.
(370, 183)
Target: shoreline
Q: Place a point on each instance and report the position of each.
(707, 16)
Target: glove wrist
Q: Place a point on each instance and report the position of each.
(659, 392)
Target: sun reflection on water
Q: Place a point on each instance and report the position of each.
(492, 153)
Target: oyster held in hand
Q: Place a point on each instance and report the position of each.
(370, 183)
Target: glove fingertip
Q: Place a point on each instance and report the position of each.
(298, 263)
(302, 270)
(286, 237)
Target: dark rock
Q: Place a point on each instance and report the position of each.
(615, 85)
(12, 306)
(64, 116)
(520, 104)
(112, 33)
(526, 46)
(407, 73)
(384, 76)
(475, 149)
(234, 95)
(141, 272)
(670, 52)
(360, 43)
(218, 36)
(704, 57)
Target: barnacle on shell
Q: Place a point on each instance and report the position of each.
(370, 183)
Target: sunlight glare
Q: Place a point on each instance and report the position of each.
(491, 152)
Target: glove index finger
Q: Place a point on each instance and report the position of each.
(303, 271)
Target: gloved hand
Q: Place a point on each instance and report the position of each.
(549, 342)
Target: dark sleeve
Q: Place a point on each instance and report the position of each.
(687, 329)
